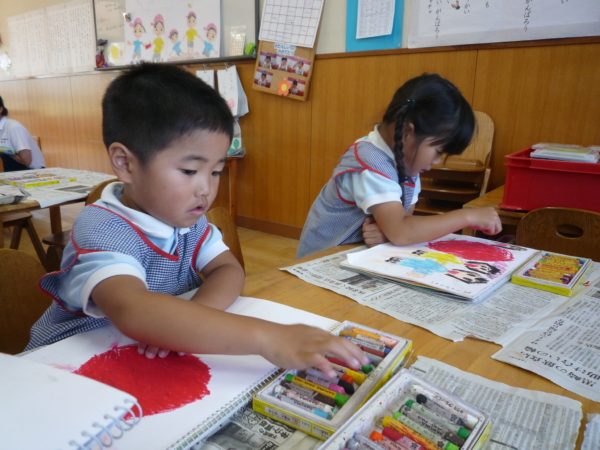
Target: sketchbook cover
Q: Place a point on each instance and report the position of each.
(455, 266)
(180, 396)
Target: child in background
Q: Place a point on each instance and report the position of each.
(141, 244)
(372, 193)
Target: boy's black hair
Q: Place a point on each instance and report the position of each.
(436, 108)
(150, 106)
(4, 111)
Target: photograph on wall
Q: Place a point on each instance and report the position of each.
(263, 78)
(181, 31)
(283, 63)
(267, 60)
(297, 86)
(300, 66)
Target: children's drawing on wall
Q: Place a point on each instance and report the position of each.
(266, 60)
(282, 64)
(184, 41)
(297, 87)
(263, 78)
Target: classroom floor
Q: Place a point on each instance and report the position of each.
(261, 251)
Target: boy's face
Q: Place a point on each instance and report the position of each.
(191, 21)
(211, 35)
(138, 31)
(178, 186)
(174, 37)
(159, 29)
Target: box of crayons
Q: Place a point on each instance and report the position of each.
(310, 401)
(35, 180)
(410, 413)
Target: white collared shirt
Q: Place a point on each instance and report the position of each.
(14, 138)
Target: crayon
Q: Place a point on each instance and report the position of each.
(301, 403)
(375, 360)
(424, 411)
(432, 426)
(442, 406)
(325, 383)
(360, 442)
(365, 369)
(400, 443)
(362, 337)
(308, 393)
(366, 341)
(369, 348)
(340, 399)
(399, 437)
(281, 390)
(348, 387)
(391, 343)
(414, 435)
(359, 378)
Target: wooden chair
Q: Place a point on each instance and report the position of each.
(22, 302)
(462, 178)
(58, 241)
(562, 230)
(221, 218)
(20, 222)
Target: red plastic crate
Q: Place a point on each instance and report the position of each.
(537, 183)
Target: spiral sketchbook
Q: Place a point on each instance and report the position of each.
(46, 407)
(185, 398)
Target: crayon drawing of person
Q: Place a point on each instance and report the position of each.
(138, 32)
(482, 267)
(421, 267)
(174, 38)
(442, 258)
(211, 36)
(159, 29)
(466, 276)
(191, 33)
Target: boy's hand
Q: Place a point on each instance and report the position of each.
(485, 220)
(372, 234)
(151, 352)
(301, 347)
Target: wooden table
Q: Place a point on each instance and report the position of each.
(493, 199)
(232, 164)
(470, 355)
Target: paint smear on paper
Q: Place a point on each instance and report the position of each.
(473, 251)
(160, 384)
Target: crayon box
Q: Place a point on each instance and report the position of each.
(385, 404)
(276, 400)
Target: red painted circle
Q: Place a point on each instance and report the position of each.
(472, 251)
(159, 384)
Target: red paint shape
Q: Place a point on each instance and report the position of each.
(160, 384)
(473, 251)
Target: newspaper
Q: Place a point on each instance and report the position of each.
(54, 194)
(591, 437)
(521, 418)
(501, 317)
(249, 430)
(563, 347)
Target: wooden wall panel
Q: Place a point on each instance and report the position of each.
(14, 95)
(539, 94)
(350, 96)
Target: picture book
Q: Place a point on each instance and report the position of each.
(183, 398)
(456, 267)
(561, 274)
(45, 407)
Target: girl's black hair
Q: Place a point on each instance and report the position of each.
(436, 108)
(4, 111)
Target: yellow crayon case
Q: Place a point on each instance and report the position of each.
(264, 402)
(391, 398)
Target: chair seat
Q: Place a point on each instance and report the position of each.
(58, 239)
(12, 219)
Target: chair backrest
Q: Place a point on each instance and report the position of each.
(562, 230)
(480, 148)
(21, 301)
(221, 218)
(37, 141)
(96, 191)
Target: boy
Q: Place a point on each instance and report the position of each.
(283, 64)
(167, 135)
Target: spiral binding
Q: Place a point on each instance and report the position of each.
(105, 430)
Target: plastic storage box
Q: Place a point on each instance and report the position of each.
(392, 397)
(537, 183)
(265, 403)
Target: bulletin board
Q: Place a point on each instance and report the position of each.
(392, 40)
(133, 30)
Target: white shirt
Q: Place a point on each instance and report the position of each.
(14, 138)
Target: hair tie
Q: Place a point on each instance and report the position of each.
(410, 103)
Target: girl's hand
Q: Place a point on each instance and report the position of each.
(372, 234)
(485, 220)
(301, 347)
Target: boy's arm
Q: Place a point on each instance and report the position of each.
(402, 228)
(224, 281)
(169, 322)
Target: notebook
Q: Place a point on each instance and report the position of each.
(45, 407)
(221, 384)
(456, 267)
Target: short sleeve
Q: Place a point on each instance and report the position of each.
(212, 247)
(367, 188)
(20, 139)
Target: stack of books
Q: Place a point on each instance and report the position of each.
(562, 152)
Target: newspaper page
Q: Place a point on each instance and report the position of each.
(591, 437)
(500, 318)
(249, 430)
(54, 194)
(563, 347)
(521, 418)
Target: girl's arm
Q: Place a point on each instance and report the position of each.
(169, 322)
(402, 228)
(23, 157)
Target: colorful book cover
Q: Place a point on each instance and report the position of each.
(36, 180)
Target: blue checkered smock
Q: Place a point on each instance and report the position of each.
(333, 220)
(99, 229)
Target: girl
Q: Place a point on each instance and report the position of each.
(378, 175)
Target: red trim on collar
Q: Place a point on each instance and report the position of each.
(197, 249)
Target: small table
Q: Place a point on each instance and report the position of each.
(493, 199)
